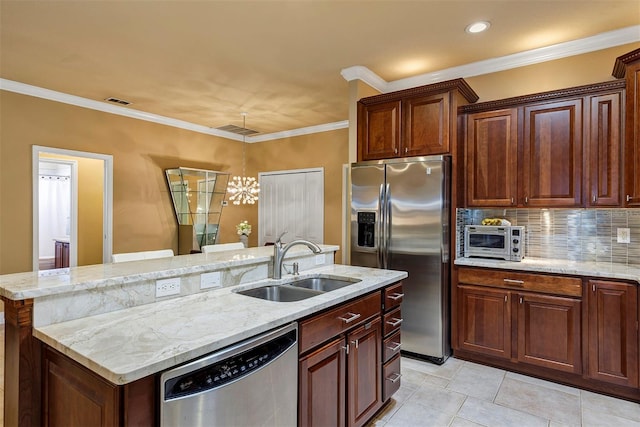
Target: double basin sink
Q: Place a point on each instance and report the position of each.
(299, 289)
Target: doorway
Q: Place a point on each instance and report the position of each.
(72, 217)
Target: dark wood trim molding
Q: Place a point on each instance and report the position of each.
(457, 84)
(22, 366)
(620, 66)
(542, 96)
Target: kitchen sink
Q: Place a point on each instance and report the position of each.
(280, 293)
(323, 284)
(299, 289)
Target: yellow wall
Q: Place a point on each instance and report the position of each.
(90, 195)
(328, 150)
(143, 217)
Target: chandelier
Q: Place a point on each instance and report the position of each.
(243, 189)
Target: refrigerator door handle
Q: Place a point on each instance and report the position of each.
(387, 224)
(380, 230)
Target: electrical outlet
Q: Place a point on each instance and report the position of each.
(320, 259)
(166, 287)
(624, 235)
(210, 280)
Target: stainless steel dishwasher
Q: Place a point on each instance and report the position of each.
(252, 383)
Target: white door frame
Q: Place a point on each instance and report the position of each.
(107, 202)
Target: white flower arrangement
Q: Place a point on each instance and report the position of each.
(243, 228)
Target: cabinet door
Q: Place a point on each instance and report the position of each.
(378, 131)
(603, 173)
(426, 125)
(491, 163)
(552, 159)
(484, 321)
(73, 395)
(613, 333)
(549, 332)
(632, 139)
(364, 381)
(322, 386)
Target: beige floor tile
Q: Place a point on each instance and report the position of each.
(438, 398)
(411, 379)
(540, 400)
(543, 383)
(447, 370)
(461, 422)
(413, 414)
(595, 418)
(478, 381)
(389, 410)
(609, 406)
(489, 414)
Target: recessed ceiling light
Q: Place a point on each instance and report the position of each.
(477, 27)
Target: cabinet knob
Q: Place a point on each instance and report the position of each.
(395, 151)
(595, 198)
(512, 200)
(526, 200)
(629, 197)
(355, 343)
(346, 348)
(406, 150)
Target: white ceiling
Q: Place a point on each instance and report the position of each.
(204, 62)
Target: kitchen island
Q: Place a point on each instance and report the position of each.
(107, 319)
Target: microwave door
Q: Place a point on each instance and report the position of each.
(367, 215)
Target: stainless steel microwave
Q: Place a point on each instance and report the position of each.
(490, 241)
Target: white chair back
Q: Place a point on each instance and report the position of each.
(222, 247)
(137, 256)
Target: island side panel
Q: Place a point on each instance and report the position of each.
(22, 364)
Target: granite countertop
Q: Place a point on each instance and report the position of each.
(126, 345)
(559, 266)
(20, 286)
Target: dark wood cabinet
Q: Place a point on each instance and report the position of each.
(604, 148)
(364, 383)
(379, 130)
(72, 395)
(628, 67)
(426, 125)
(553, 149)
(492, 158)
(613, 332)
(485, 321)
(549, 331)
(514, 316)
(61, 254)
(552, 154)
(419, 121)
(323, 373)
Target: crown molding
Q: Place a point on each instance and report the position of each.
(78, 101)
(300, 131)
(521, 59)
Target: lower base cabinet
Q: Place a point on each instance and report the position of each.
(613, 332)
(345, 376)
(579, 332)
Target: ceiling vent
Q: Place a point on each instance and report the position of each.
(117, 101)
(238, 130)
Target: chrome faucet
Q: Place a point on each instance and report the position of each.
(279, 251)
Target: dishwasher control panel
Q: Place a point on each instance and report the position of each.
(231, 369)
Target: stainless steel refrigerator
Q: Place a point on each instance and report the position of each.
(400, 221)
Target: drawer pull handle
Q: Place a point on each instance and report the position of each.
(394, 322)
(396, 347)
(396, 296)
(394, 377)
(353, 316)
(355, 342)
(514, 282)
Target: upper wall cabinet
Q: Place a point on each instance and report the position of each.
(412, 122)
(552, 149)
(628, 66)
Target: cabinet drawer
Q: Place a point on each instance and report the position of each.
(391, 374)
(392, 321)
(324, 326)
(569, 286)
(392, 296)
(391, 346)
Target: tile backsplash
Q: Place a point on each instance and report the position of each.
(572, 234)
